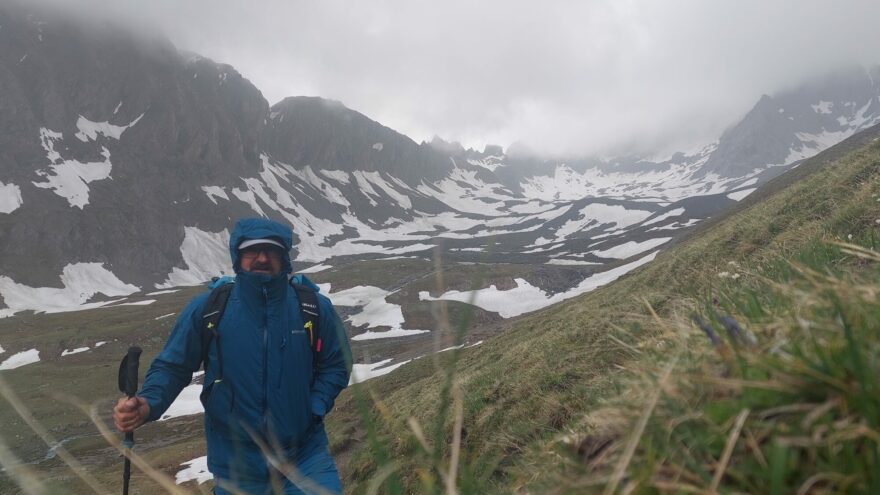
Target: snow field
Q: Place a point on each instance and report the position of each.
(376, 312)
(10, 197)
(196, 470)
(81, 281)
(525, 298)
(631, 248)
(738, 195)
(20, 359)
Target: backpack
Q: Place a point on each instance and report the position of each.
(216, 305)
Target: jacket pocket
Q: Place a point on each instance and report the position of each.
(217, 398)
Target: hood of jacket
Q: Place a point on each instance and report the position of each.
(261, 228)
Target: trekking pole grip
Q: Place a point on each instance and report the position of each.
(131, 370)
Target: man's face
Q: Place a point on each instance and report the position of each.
(261, 258)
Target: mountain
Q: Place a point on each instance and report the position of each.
(124, 161)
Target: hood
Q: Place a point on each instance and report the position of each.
(261, 228)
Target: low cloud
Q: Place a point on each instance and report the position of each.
(564, 77)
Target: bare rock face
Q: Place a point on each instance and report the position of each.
(108, 137)
(786, 127)
(313, 131)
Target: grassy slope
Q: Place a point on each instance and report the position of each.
(550, 378)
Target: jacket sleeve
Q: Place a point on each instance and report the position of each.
(334, 360)
(173, 368)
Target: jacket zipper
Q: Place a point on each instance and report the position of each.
(266, 363)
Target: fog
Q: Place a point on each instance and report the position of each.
(562, 77)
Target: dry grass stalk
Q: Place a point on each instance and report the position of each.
(451, 488)
(23, 475)
(416, 428)
(381, 475)
(620, 470)
(25, 414)
(161, 478)
(728, 450)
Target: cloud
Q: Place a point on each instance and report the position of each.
(564, 77)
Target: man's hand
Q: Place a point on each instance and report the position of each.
(130, 413)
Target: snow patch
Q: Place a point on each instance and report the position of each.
(80, 282)
(823, 107)
(160, 292)
(20, 359)
(631, 248)
(10, 197)
(378, 146)
(525, 298)
(70, 178)
(196, 470)
(215, 192)
(363, 372)
(738, 195)
(205, 254)
(89, 131)
(376, 312)
(68, 352)
(395, 332)
(599, 213)
(671, 213)
(315, 269)
(187, 403)
(558, 261)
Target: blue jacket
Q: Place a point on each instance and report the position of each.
(268, 394)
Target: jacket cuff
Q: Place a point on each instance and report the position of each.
(318, 407)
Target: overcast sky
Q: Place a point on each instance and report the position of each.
(563, 76)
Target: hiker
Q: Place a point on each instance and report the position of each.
(271, 376)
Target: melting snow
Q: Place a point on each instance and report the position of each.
(598, 213)
(67, 352)
(71, 177)
(187, 403)
(376, 312)
(340, 176)
(215, 191)
(526, 298)
(81, 281)
(160, 292)
(20, 359)
(631, 248)
(88, 130)
(10, 197)
(145, 302)
(2, 350)
(671, 213)
(396, 332)
(196, 470)
(315, 269)
(363, 372)
(823, 107)
(558, 261)
(205, 254)
(738, 195)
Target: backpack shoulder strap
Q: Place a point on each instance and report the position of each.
(311, 314)
(214, 308)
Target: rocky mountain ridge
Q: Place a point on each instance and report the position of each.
(124, 161)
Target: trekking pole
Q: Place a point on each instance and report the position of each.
(128, 383)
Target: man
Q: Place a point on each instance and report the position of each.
(265, 402)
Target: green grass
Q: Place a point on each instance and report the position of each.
(576, 398)
(550, 405)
